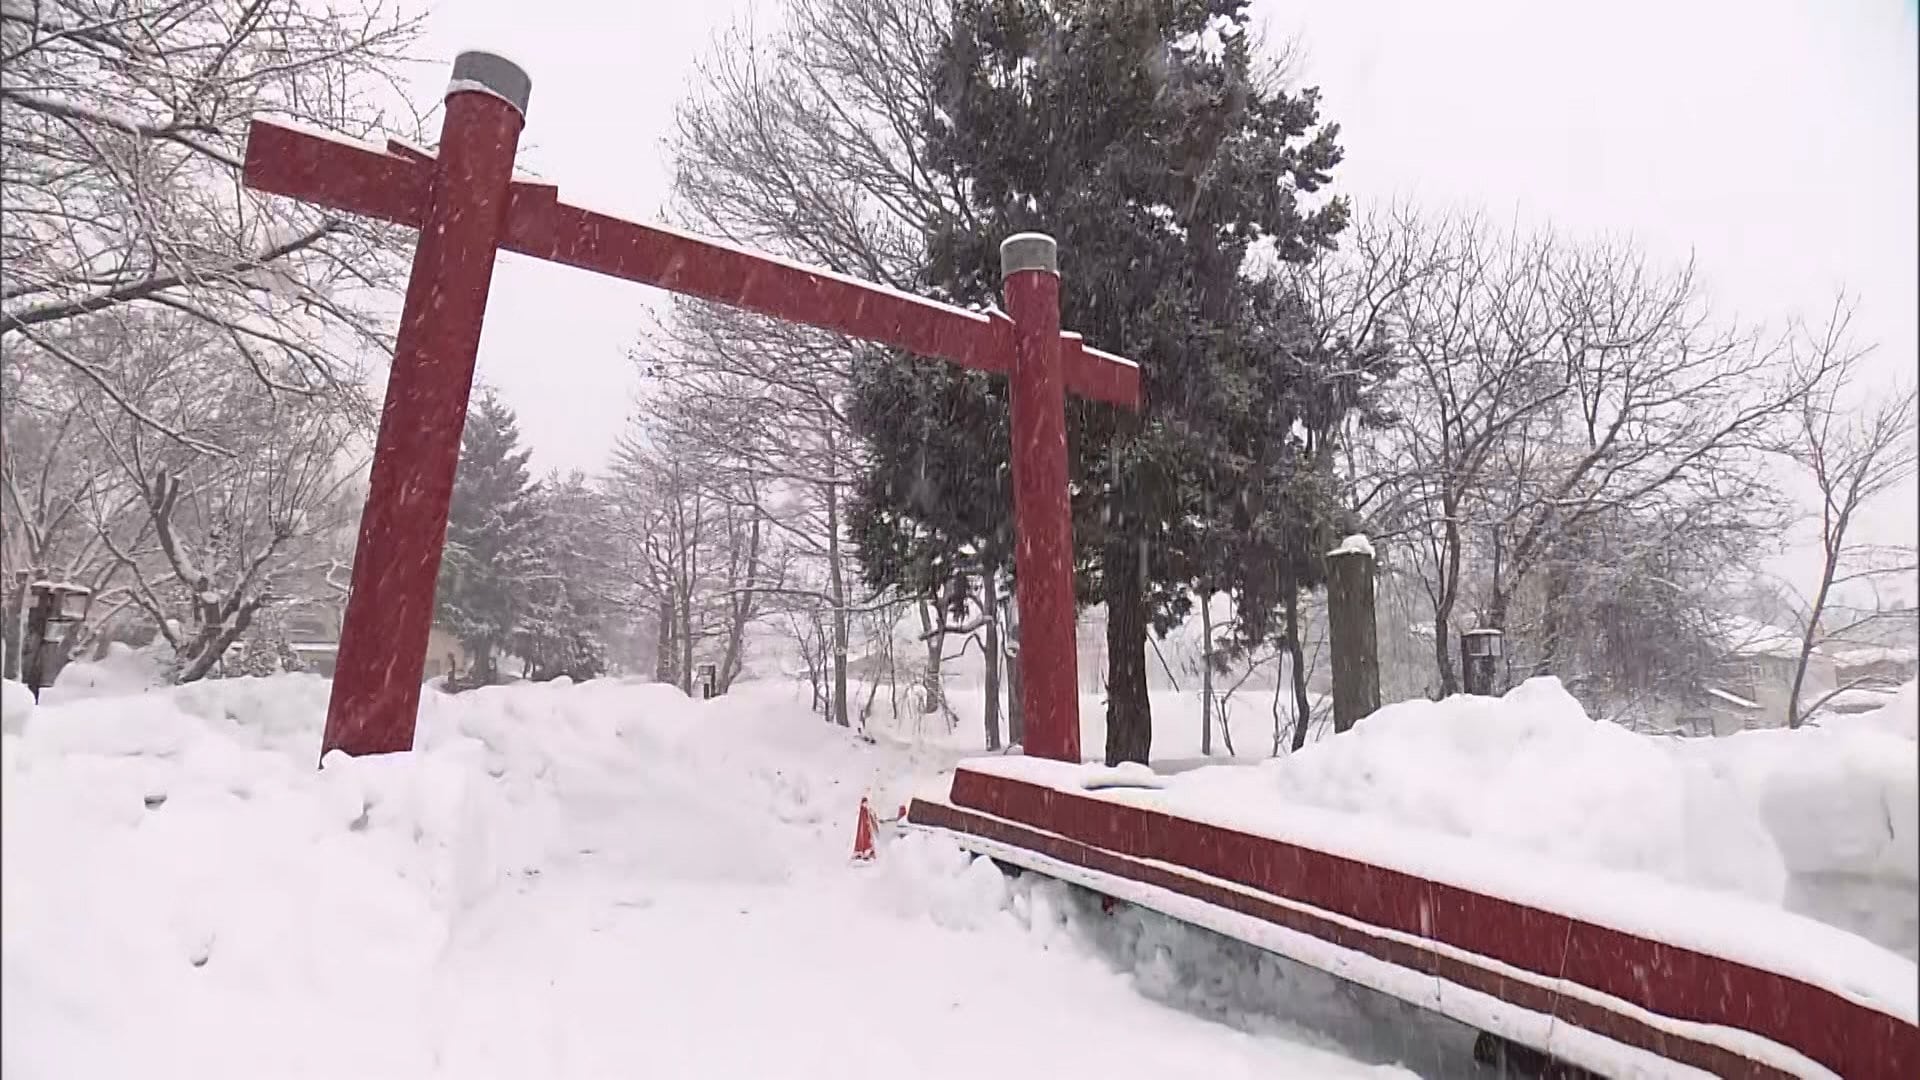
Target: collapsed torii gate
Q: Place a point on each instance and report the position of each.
(467, 205)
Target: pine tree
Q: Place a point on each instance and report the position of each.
(560, 632)
(491, 560)
(1144, 137)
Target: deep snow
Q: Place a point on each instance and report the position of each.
(590, 880)
(1822, 821)
(610, 879)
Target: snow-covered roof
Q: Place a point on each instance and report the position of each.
(1732, 699)
(1874, 654)
(1750, 637)
(1357, 544)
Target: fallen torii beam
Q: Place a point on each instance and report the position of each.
(468, 206)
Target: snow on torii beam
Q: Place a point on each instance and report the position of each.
(468, 206)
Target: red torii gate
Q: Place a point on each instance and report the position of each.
(467, 205)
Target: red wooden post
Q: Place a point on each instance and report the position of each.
(468, 207)
(383, 644)
(1043, 526)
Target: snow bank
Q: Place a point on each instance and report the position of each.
(1186, 968)
(595, 880)
(16, 702)
(123, 670)
(1821, 821)
(1842, 802)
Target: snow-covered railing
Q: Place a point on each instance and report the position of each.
(1611, 971)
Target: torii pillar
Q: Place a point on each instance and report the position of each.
(468, 206)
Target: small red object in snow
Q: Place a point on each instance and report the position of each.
(863, 834)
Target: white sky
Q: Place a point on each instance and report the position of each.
(1775, 140)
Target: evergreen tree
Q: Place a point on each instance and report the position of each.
(493, 524)
(566, 607)
(1144, 136)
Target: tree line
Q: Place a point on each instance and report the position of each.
(1551, 435)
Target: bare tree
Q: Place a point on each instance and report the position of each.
(122, 128)
(1477, 328)
(1558, 405)
(1664, 410)
(205, 540)
(803, 141)
(51, 477)
(759, 405)
(1854, 454)
(693, 548)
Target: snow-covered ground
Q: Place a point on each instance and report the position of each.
(595, 880)
(608, 879)
(1823, 821)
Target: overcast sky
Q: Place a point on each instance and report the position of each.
(1773, 140)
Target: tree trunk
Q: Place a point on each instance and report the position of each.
(1297, 664)
(480, 662)
(741, 608)
(1443, 604)
(1811, 637)
(991, 588)
(933, 687)
(684, 634)
(663, 642)
(10, 632)
(1129, 715)
(213, 644)
(837, 588)
(1010, 656)
(1552, 620)
(1206, 674)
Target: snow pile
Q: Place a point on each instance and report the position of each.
(123, 670)
(16, 703)
(1181, 966)
(1820, 821)
(1357, 544)
(1899, 716)
(1842, 802)
(593, 880)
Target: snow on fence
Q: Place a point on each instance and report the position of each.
(1605, 970)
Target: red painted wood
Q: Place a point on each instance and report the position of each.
(392, 186)
(1042, 520)
(545, 228)
(339, 175)
(468, 207)
(376, 679)
(1099, 376)
(1623, 1026)
(1853, 1039)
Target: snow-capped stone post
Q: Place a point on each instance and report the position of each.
(1351, 633)
(376, 680)
(1043, 526)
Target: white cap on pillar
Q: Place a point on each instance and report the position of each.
(491, 73)
(1029, 251)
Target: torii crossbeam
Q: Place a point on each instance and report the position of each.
(468, 206)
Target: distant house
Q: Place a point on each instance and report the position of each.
(313, 632)
(1875, 665)
(1881, 647)
(1756, 680)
